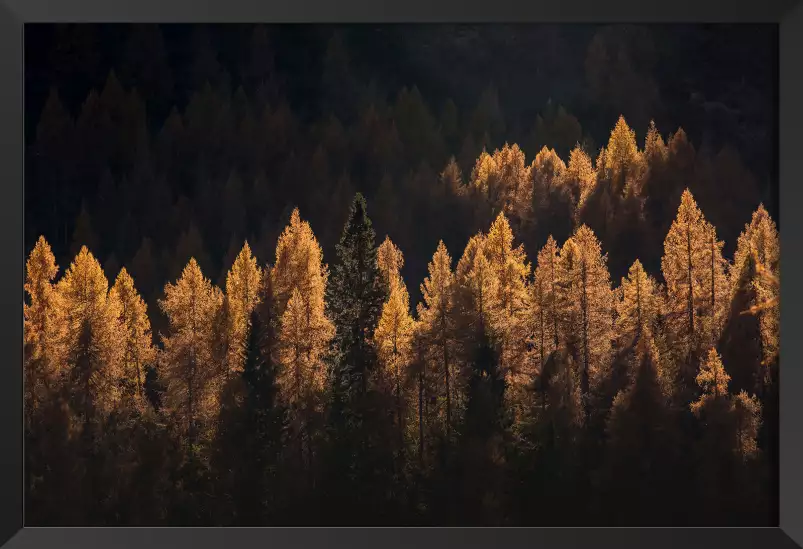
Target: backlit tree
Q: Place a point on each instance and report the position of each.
(437, 324)
(693, 269)
(41, 327)
(587, 305)
(91, 344)
(188, 368)
(242, 290)
(138, 350)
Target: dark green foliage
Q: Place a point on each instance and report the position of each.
(354, 300)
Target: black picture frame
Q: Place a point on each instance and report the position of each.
(14, 14)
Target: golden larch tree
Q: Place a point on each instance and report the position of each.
(587, 307)
(760, 239)
(580, 176)
(188, 366)
(713, 381)
(476, 290)
(393, 338)
(138, 349)
(91, 343)
(655, 150)
(547, 174)
(299, 262)
(544, 314)
(41, 328)
(622, 158)
(512, 178)
(511, 271)
(694, 272)
(390, 260)
(299, 279)
(243, 284)
(747, 417)
(638, 306)
(436, 323)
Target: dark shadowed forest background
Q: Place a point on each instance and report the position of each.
(401, 274)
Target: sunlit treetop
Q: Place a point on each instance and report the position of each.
(41, 265)
(484, 169)
(394, 332)
(622, 148)
(41, 324)
(581, 171)
(713, 379)
(390, 260)
(759, 236)
(298, 261)
(654, 146)
(84, 284)
(437, 287)
(136, 330)
(191, 298)
(639, 304)
(243, 283)
(509, 262)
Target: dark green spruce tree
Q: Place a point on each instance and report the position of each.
(358, 467)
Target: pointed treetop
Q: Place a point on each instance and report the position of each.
(41, 263)
(390, 260)
(713, 379)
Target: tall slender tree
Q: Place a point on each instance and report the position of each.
(193, 382)
(355, 298)
(693, 269)
(93, 354)
(586, 299)
(242, 290)
(139, 352)
(41, 328)
(437, 325)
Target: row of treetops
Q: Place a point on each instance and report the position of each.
(565, 304)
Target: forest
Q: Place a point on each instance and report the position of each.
(385, 316)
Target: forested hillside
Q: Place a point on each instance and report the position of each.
(387, 312)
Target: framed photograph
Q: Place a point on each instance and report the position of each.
(376, 278)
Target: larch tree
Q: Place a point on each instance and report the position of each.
(713, 381)
(138, 349)
(622, 155)
(587, 305)
(242, 290)
(512, 178)
(511, 271)
(730, 426)
(390, 260)
(694, 271)
(41, 327)
(476, 311)
(741, 343)
(760, 240)
(545, 312)
(187, 368)
(747, 417)
(92, 334)
(638, 307)
(546, 172)
(437, 325)
(552, 201)
(299, 279)
(393, 338)
(580, 177)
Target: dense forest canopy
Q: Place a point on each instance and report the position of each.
(258, 295)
